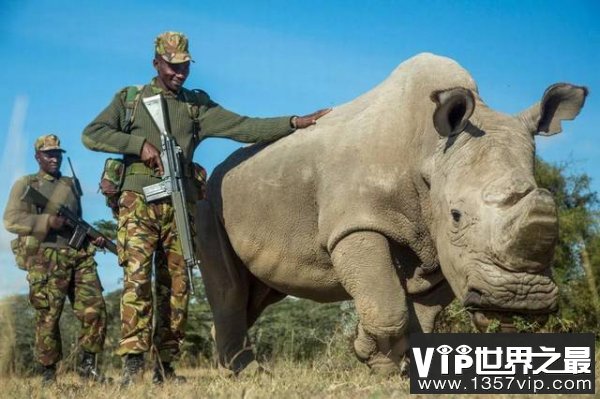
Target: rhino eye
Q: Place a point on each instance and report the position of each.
(456, 215)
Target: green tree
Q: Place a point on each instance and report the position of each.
(577, 253)
(106, 227)
(297, 329)
(577, 213)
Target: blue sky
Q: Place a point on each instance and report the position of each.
(64, 60)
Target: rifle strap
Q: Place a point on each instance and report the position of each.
(191, 100)
(133, 94)
(34, 181)
(132, 99)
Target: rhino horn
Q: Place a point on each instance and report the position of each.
(453, 109)
(561, 101)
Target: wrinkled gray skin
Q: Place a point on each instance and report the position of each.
(410, 195)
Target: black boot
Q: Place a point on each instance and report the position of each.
(133, 369)
(166, 372)
(89, 370)
(49, 374)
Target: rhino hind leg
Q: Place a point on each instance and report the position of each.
(364, 265)
(227, 284)
(261, 296)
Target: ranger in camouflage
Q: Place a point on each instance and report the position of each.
(145, 229)
(54, 270)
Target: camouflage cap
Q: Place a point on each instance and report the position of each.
(172, 47)
(47, 142)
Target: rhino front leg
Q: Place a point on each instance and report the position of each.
(363, 263)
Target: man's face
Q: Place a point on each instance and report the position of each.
(49, 161)
(171, 76)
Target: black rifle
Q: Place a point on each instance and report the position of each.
(81, 228)
(172, 184)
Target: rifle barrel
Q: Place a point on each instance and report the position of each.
(33, 196)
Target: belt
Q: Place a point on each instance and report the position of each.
(139, 168)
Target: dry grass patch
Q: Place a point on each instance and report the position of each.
(286, 379)
(7, 338)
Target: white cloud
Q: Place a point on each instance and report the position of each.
(13, 158)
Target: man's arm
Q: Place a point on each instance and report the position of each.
(219, 122)
(216, 121)
(104, 133)
(18, 217)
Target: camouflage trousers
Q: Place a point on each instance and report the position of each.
(53, 275)
(147, 232)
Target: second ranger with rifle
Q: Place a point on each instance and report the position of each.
(57, 265)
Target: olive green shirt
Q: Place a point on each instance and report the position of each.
(108, 132)
(26, 219)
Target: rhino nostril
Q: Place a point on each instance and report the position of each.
(456, 215)
(505, 193)
(516, 196)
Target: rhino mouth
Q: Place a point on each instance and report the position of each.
(538, 303)
(495, 294)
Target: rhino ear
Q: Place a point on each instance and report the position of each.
(561, 101)
(453, 109)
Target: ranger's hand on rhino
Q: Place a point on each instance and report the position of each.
(301, 122)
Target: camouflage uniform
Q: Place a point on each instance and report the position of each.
(54, 275)
(143, 229)
(146, 229)
(55, 270)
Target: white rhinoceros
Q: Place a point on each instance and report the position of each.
(412, 194)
